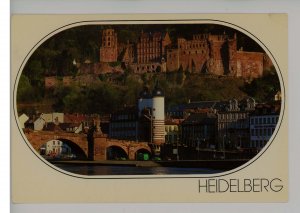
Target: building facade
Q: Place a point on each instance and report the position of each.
(263, 123)
(214, 54)
(172, 131)
(124, 124)
(199, 130)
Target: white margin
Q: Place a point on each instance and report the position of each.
(163, 6)
(5, 107)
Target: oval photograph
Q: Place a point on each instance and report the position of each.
(149, 99)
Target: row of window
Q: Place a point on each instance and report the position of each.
(200, 37)
(264, 120)
(188, 46)
(262, 132)
(171, 128)
(148, 50)
(56, 142)
(232, 116)
(108, 44)
(258, 143)
(234, 125)
(148, 57)
(196, 52)
(155, 44)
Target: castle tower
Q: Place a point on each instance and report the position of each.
(109, 46)
(216, 43)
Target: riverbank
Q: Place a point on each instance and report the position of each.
(213, 164)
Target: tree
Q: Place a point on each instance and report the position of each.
(264, 89)
(25, 92)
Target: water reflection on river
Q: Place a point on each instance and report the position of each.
(131, 170)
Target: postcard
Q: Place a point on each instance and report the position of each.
(149, 108)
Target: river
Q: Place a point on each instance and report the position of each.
(131, 170)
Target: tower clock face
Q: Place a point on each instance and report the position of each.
(183, 98)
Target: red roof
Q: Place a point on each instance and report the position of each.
(74, 118)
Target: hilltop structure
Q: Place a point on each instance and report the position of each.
(204, 53)
(213, 55)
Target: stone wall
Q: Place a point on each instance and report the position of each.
(249, 64)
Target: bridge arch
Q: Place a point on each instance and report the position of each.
(76, 142)
(115, 152)
(143, 154)
(79, 152)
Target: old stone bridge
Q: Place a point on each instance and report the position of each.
(96, 150)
